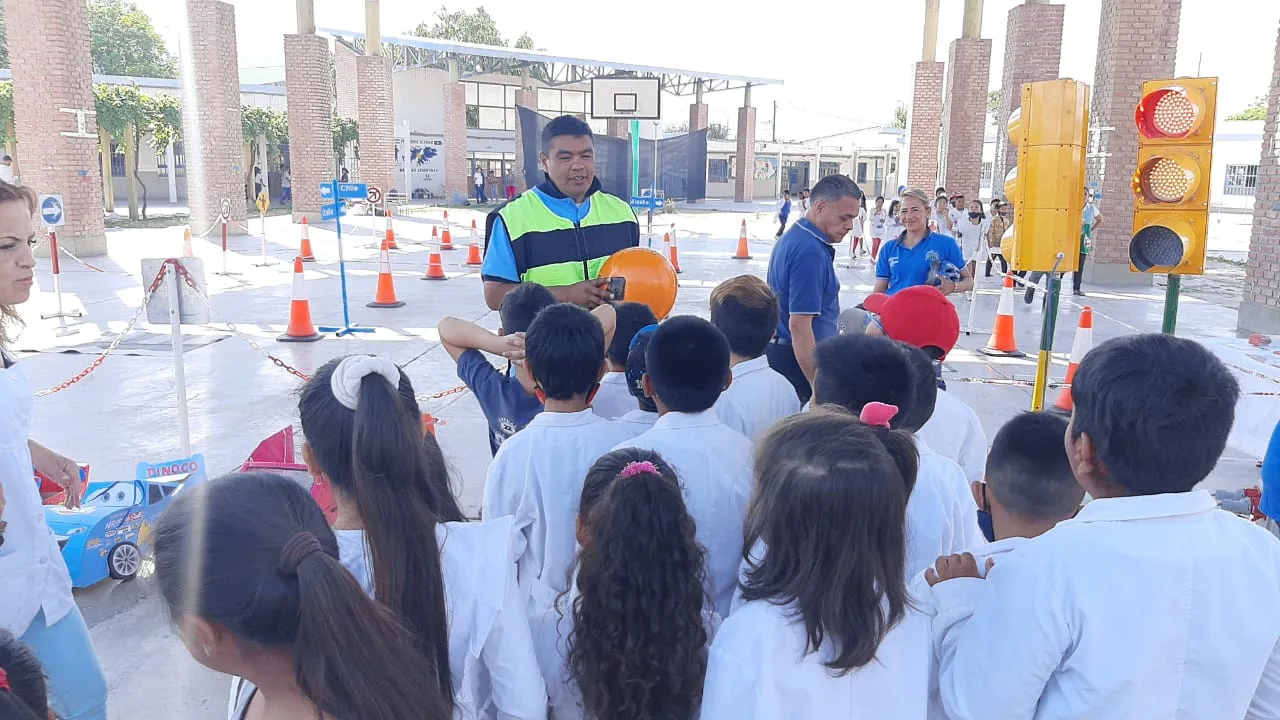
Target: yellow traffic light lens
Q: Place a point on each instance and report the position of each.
(1165, 180)
(1174, 114)
(1156, 246)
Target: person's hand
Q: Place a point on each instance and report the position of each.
(588, 293)
(946, 286)
(513, 347)
(950, 567)
(61, 470)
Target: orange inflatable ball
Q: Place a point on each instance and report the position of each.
(651, 280)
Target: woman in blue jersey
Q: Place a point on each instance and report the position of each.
(921, 257)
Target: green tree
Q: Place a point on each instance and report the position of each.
(6, 111)
(717, 131)
(268, 124)
(900, 116)
(346, 132)
(123, 42)
(995, 99)
(478, 26)
(1257, 110)
(123, 112)
(4, 41)
(164, 120)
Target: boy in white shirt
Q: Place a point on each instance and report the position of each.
(536, 477)
(614, 398)
(745, 309)
(1132, 608)
(643, 417)
(687, 369)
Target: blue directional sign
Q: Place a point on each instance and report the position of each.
(353, 191)
(51, 210)
(332, 211)
(646, 202)
(326, 191)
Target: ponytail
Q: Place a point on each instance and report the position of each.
(24, 694)
(902, 450)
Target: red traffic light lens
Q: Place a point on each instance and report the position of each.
(1166, 113)
(1156, 246)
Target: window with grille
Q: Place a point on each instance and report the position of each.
(986, 174)
(718, 170)
(1241, 179)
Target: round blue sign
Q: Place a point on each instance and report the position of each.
(51, 210)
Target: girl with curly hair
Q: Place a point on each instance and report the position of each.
(629, 639)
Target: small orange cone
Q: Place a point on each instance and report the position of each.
(673, 253)
(1002, 342)
(386, 295)
(300, 328)
(304, 251)
(473, 251)
(186, 243)
(435, 266)
(1082, 344)
(446, 240)
(391, 233)
(743, 253)
(435, 235)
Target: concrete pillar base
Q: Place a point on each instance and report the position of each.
(924, 126)
(1258, 318)
(964, 116)
(1116, 274)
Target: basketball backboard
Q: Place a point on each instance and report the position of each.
(633, 98)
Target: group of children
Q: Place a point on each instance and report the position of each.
(705, 549)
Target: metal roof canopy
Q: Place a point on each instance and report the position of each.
(407, 52)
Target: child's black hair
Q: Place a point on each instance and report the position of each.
(638, 648)
(830, 504)
(745, 309)
(631, 317)
(855, 369)
(1157, 408)
(1028, 471)
(688, 363)
(636, 368)
(925, 388)
(28, 695)
(564, 350)
(251, 552)
(521, 305)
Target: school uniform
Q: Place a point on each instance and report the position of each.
(939, 522)
(758, 397)
(491, 655)
(955, 432)
(713, 463)
(536, 477)
(758, 669)
(614, 398)
(638, 421)
(1157, 606)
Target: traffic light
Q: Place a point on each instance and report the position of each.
(1175, 122)
(1050, 131)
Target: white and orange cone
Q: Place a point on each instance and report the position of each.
(474, 257)
(1003, 342)
(386, 294)
(304, 251)
(1081, 345)
(300, 327)
(186, 243)
(743, 252)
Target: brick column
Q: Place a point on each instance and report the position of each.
(377, 119)
(619, 128)
(346, 103)
(1137, 41)
(213, 136)
(699, 114)
(457, 171)
(924, 126)
(1032, 52)
(49, 53)
(310, 103)
(964, 116)
(744, 185)
(1260, 307)
(526, 98)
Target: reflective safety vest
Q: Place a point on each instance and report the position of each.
(554, 251)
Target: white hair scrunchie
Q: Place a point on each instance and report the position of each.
(346, 379)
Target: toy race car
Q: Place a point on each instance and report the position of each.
(110, 533)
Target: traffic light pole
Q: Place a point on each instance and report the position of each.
(1171, 292)
(1047, 329)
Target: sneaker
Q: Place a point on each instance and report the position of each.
(1078, 293)
(1029, 296)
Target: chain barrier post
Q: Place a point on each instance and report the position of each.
(179, 370)
(63, 330)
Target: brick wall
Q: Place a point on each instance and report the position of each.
(49, 53)
(1137, 41)
(346, 100)
(619, 128)
(1260, 309)
(1032, 52)
(698, 116)
(377, 130)
(457, 169)
(310, 103)
(964, 115)
(744, 183)
(215, 162)
(924, 126)
(528, 99)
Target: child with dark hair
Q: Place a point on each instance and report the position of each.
(646, 414)
(250, 572)
(614, 398)
(745, 309)
(687, 368)
(401, 534)
(1131, 608)
(24, 694)
(505, 398)
(629, 639)
(827, 629)
(536, 476)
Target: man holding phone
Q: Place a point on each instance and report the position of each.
(559, 233)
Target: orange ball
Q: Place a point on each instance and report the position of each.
(651, 280)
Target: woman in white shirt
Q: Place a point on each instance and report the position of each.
(971, 233)
(629, 638)
(879, 221)
(35, 589)
(826, 629)
(401, 534)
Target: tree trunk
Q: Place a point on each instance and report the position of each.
(108, 192)
(131, 168)
(135, 178)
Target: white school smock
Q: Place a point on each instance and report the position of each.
(758, 397)
(758, 670)
(963, 512)
(614, 398)
(33, 575)
(859, 223)
(713, 463)
(940, 224)
(638, 421)
(491, 655)
(893, 228)
(536, 477)
(879, 219)
(1157, 606)
(972, 238)
(935, 525)
(955, 432)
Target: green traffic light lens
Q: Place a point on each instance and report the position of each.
(1156, 246)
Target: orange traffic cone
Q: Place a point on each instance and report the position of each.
(435, 266)
(1002, 342)
(304, 251)
(473, 251)
(743, 253)
(673, 253)
(435, 235)
(386, 295)
(186, 243)
(300, 328)
(391, 233)
(1082, 344)
(446, 239)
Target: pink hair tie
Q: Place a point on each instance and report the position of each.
(878, 413)
(638, 467)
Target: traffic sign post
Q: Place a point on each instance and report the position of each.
(335, 192)
(53, 215)
(264, 204)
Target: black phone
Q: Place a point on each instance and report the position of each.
(616, 288)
